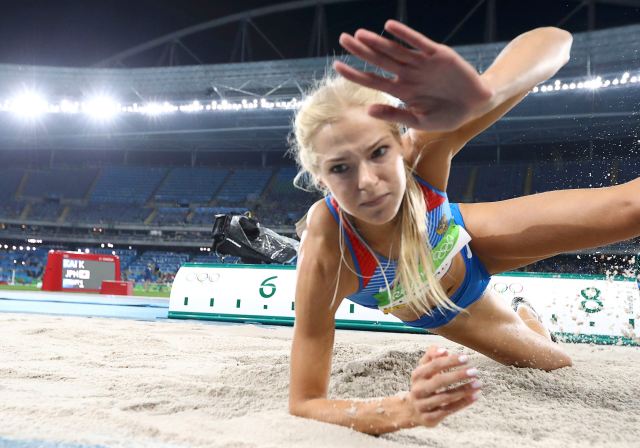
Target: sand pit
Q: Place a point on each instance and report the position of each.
(122, 383)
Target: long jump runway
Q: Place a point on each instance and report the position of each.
(79, 304)
(71, 378)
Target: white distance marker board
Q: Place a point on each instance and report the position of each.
(577, 308)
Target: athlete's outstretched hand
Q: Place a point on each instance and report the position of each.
(440, 90)
(441, 385)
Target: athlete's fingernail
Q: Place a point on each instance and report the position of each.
(475, 396)
(476, 385)
(472, 372)
(441, 351)
(463, 358)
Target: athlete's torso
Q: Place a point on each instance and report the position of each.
(372, 275)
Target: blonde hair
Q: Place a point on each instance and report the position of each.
(415, 270)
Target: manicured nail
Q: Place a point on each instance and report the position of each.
(475, 396)
(463, 359)
(472, 371)
(476, 385)
(441, 351)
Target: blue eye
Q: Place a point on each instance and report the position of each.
(338, 169)
(379, 152)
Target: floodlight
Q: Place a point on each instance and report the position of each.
(101, 108)
(28, 104)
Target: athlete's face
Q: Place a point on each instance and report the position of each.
(361, 162)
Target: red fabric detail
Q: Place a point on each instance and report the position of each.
(433, 199)
(364, 258)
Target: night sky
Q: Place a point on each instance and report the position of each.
(84, 32)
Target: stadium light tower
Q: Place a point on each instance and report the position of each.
(101, 108)
(28, 104)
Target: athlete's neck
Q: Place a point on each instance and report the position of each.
(382, 238)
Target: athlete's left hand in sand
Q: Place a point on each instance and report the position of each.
(441, 385)
(440, 90)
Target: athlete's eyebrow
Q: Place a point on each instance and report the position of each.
(341, 158)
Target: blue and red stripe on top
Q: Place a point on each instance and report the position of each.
(370, 275)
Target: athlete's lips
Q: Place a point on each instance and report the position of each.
(375, 201)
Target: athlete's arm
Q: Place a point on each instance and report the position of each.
(528, 60)
(312, 349)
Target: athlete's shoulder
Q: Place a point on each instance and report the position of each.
(320, 258)
(321, 226)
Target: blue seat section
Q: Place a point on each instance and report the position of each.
(163, 261)
(10, 179)
(126, 256)
(11, 209)
(498, 182)
(129, 185)
(628, 170)
(282, 185)
(45, 211)
(59, 183)
(458, 183)
(561, 176)
(285, 203)
(243, 184)
(27, 264)
(205, 215)
(191, 185)
(107, 214)
(171, 216)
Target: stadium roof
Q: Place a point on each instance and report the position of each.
(540, 118)
(151, 33)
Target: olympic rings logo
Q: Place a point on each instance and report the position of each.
(444, 247)
(515, 288)
(203, 277)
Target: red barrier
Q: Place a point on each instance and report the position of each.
(117, 288)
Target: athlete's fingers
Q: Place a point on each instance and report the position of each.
(432, 352)
(423, 388)
(367, 54)
(446, 379)
(393, 114)
(433, 418)
(447, 397)
(370, 80)
(387, 47)
(411, 37)
(437, 365)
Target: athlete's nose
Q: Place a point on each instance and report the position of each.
(367, 176)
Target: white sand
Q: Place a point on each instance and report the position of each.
(126, 383)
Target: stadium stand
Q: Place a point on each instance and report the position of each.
(171, 216)
(58, 183)
(584, 174)
(282, 187)
(498, 182)
(9, 182)
(191, 185)
(133, 185)
(459, 183)
(628, 170)
(244, 184)
(107, 214)
(45, 211)
(28, 266)
(204, 215)
(11, 209)
(158, 261)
